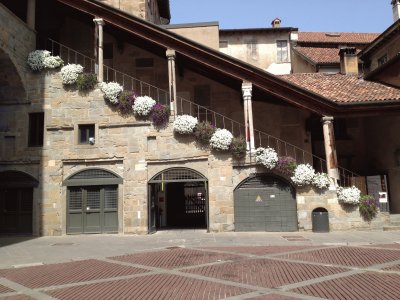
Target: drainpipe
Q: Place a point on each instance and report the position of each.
(330, 150)
(99, 37)
(247, 88)
(171, 55)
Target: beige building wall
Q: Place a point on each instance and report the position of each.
(300, 65)
(206, 34)
(256, 48)
(390, 49)
(144, 9)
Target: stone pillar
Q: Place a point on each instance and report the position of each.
(247, 88)
(330, 149)
(99, 37)
(31, 14)
(171, 55)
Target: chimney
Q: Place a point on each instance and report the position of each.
(276, 23)
(348, 61)
(396, 10)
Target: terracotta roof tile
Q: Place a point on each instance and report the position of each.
(337, 37)
(344, 88)
(321, 55)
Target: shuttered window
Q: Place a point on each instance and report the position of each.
(282, 51)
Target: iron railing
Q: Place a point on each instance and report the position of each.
(183, 106)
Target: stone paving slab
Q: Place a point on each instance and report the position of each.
(261, 250)
(265, 272)
(64, 273)
(16, 297)
(176, 258)
(366, 286)
(150, 287)
(347, 256)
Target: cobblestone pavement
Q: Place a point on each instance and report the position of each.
(228, 268)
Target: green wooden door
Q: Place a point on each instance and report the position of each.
(265, 203)
(16, 205)
(92, 209)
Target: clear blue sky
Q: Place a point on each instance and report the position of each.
(307, 15)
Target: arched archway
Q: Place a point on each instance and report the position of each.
(265, 202)
(16, 202)
(92, 201)
(178, 198)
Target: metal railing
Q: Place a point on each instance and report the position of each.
(183, 106)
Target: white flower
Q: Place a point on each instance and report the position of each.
(321, 181)
(70, 73)
(42, 59)
(350, 195)
(111, 91)
(267, 157)
(303, 175)
(52, 62)
(221, 139)
(185, 124)
(143, 105)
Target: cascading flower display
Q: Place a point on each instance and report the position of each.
(143, 105)
(267, 157)
(303, 175)
(70, 73)
(185, 124)
(111, 91)
(221, 139)
(349, 195)
(321, 181)
(42, 59)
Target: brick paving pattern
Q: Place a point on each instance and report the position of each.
(348, 256)
(176, 258)
(393, 268)
(274, 297)
(265, 273)
(4, 289)
(56, 274)
(367, 286)
(260, 250)
(151, 287)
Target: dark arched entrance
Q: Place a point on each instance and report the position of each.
(16, 203)
(92, 201)
(178, 198)
(265, 202)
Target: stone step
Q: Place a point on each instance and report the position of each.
(395, 218)
(391, 228)
(394, 223)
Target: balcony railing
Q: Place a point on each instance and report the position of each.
(183, 106)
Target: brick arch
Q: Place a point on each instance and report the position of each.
(16, 41)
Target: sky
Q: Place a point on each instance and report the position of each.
(307, 15)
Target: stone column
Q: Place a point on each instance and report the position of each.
(330, 149)
(171, 55)
(99, 37)
(31, 14)
(247, 88)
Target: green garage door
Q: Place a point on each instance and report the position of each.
(265, 203)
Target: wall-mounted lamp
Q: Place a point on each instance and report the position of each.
(92, 140)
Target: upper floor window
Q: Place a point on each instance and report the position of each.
(282, 51)
(36, 129)
(252, 49)
(382, 60)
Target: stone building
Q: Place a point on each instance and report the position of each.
(72, 164)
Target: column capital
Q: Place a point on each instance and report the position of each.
(99, 21)
(170, 53)
(327, 119)
(247, 89)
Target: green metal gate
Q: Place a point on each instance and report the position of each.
(265, 203)
(92, 202)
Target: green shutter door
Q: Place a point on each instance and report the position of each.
(265, 203)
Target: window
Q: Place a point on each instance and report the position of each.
(36, 128)
(86, 134)
(282, 51)
(382, 60)
(223, 44)
(252, 49)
